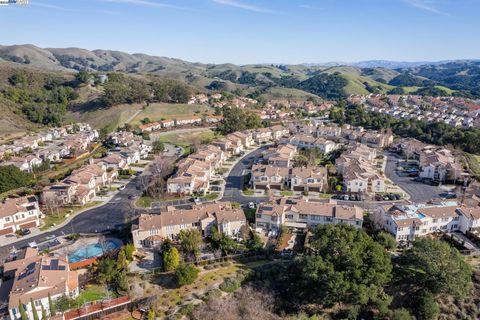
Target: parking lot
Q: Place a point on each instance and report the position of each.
(419, 192)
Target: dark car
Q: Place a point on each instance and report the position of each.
(24, 232)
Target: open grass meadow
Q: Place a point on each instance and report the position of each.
(159, 111)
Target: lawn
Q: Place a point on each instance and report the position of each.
(212, 196)
(92, 293)
(473, 162)
(286, 193)
(185, 139)
(159, 111)
(54, 219)
(145, 201)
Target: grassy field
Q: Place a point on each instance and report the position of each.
(111, 118)
(287, 93)
(473, 162)
(158, 111)
(186, 138)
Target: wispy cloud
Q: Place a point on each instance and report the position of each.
(427, 5)
(46, 5)
(146, 3)
(309, 7)
(241, 5)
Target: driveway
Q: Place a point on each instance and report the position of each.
(419, 192)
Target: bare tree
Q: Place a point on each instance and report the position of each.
(161, 169)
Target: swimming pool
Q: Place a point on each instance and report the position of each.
(92, 250)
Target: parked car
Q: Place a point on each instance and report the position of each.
(196, 200)
(251, 205)
(121, 187)
(24, 232)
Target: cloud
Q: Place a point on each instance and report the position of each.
(145, 3)
(427, 5)
(309, 7)
(240, 5)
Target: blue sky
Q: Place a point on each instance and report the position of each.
(253, 31)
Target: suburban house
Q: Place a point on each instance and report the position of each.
(19, 213)
(213, 119)
(280, 156)
(357, 165)
(192, 176)
(25, 163)
(303, 141)
(245, 138)
(377, 140)
(149, 230)
(33, 277)
(309, 179)
(407, 222)
(439, 165)
(302, 213)
(262, 135)
(266, 177)
(279, 131)
(192, 120)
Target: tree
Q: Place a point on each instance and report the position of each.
(63, 303)
(386, 240)
(34, 310)
(129, 250)
(186, 274)
(434, 266)
(151, 314)
(44, 313)
(190, 241)
(255, 243)
(171, 259)
(12, 177)
(158, 146)
(122, 261)
(236, 119)
(106, 271)
(427, 308)
(21, 309)
(82, 76)
(221, 241)
(51, 306)
(347, 266)
(401, 314)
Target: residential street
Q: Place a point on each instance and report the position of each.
(419, 192)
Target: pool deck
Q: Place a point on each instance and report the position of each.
(84, 242)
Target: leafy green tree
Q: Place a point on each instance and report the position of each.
(434, 266)
(255, 243)
(158, 146)
(51, 306)
(427, 308)
(348, 266)
(122, 261)
(401, 314)
(107, 271)
(386, 240)
(82, 76)
(221, 241)
(12, 178)
(186, 274)
(237, 119)
(190, 241)
(171, 259)
(21, 309)
(63, 303)
(18, 79)
(129, 250)
(34, 310)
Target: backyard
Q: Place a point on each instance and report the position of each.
(186, 138)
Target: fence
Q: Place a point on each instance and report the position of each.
(98, 310)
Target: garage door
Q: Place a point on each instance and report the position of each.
(28, 225)
(6, 231)
(298, 188)
(315, 189)
(275, 187)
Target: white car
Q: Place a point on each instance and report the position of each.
(32, 244)
(251, 205)
(121, 188)
(196, 200)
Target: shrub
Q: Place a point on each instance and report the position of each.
(186, 274)
(427, 308)
(230, 285)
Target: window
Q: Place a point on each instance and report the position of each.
(316, 218)
(304, 216)
(7, 219)
(38, 303)
(289, 216)
(259, 216)
(435, 220)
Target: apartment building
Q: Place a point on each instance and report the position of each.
(149, 230)
(302, 213)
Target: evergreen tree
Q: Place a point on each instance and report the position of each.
(51, 305)
(34, 310)
(44, 313)
(21, 309)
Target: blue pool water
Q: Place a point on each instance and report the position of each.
(92, 250)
